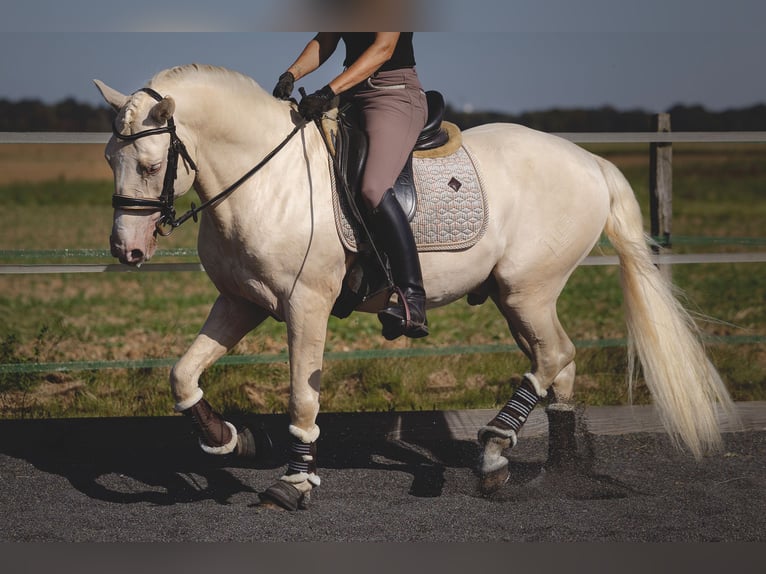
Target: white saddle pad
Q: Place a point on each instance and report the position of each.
(452, 206)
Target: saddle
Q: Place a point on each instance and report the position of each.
(350, 148)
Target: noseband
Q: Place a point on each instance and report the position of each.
(165, 202)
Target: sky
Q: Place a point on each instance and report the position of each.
(509, 56)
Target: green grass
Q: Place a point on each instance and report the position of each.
(718, 192)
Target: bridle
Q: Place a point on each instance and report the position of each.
(165, 202)
(168, 221)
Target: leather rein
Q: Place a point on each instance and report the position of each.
(168, 221)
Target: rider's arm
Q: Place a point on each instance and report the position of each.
(371, 59)
(316, 52)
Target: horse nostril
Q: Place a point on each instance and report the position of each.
(136, 254)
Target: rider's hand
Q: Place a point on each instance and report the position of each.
(284, 86)
(314, 105)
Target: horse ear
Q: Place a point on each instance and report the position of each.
(163, 110)
(112, 96)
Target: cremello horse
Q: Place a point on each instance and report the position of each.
(272, 250)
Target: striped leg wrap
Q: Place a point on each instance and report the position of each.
(515, 412)
(302, 458)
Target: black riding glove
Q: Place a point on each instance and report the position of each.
(284, 86)
(314, 105)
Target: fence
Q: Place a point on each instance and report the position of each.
(660, 142)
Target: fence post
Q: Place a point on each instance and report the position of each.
(661, 187)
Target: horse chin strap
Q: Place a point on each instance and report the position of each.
(167, 222)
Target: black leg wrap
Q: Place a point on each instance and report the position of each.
(514, 413)
(302, 458)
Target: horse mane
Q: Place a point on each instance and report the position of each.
(203, 73)
(231, 82)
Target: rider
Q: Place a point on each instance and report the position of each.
(379, 78)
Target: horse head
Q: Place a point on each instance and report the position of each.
(147, 176)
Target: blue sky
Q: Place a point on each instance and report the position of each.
(501, 55)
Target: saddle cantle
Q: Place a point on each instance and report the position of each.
(433, 134)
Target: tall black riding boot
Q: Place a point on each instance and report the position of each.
(394, 235)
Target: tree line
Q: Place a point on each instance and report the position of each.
(65, 116)
(607, 119)
(72, 116)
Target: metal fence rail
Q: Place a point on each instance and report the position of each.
(362, 354)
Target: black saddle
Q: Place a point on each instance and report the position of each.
(351, 149)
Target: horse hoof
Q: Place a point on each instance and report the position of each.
(284, 496)
(494, 481)
(251, 445)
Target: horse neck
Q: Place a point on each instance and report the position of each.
(232, 134)
(229, 144)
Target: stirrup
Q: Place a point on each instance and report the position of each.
(398, 320)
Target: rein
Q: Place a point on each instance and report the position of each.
(168, 221)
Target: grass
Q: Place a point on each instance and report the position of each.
(718, 193)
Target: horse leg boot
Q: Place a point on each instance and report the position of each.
(293, 490)
(216, 436)
(501, 432)
(394, 233)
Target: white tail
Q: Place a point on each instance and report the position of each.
(684, 384)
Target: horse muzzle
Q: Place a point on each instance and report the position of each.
(133, 240)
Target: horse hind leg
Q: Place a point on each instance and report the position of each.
(537, 330)
(562, 444)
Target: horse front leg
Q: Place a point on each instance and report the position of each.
(229, 320)
(306, 331)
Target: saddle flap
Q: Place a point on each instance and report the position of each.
(404, 191)
(351, 149)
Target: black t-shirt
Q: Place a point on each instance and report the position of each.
(358, 42)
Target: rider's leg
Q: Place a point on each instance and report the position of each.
(393, 118)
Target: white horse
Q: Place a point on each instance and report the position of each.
(272, 250)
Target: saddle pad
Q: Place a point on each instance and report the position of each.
(452, 206)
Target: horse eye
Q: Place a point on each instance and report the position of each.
(154, 168)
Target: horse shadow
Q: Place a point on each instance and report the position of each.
(157, 460)
(124, 460)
